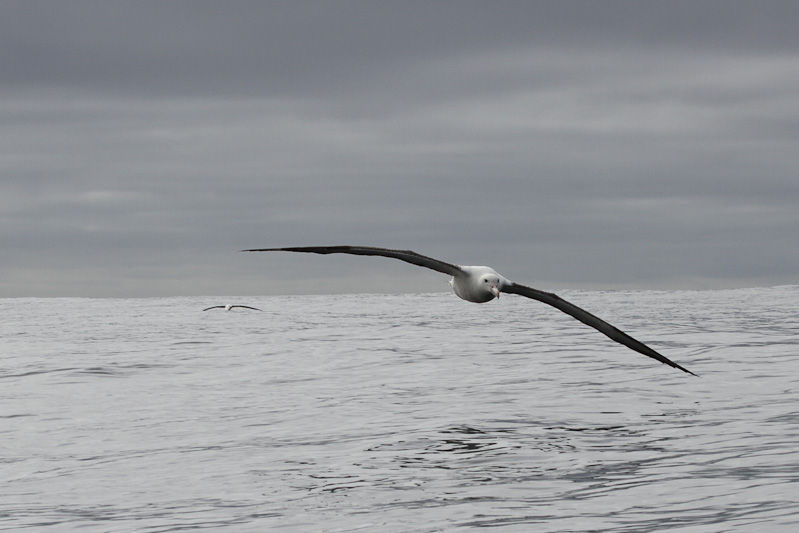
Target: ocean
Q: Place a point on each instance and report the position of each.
(400, 413)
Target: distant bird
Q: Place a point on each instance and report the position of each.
(481, 284)
(228, 307)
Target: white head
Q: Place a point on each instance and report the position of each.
(479, 285)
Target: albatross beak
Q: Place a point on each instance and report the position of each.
(495, 290)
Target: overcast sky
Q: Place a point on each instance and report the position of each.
(589, 144)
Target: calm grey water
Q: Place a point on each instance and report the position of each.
(400, 413)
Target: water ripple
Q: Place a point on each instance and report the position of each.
(400, 413)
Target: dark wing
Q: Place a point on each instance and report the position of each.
(214, 307)
(403, 255)
(245, 307)
(590, 320)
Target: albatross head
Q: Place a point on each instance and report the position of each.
(478, 284)
(492, 282)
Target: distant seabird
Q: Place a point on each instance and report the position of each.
(228, 307)
(481, 284)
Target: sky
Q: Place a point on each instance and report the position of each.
(567, 144)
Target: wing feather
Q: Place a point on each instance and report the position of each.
(403, 255)
(590, 320)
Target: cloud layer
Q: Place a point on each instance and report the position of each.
(567, 144)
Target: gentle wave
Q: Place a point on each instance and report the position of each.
(401, 413)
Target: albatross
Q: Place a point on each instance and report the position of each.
(481, 284)
(228, 307)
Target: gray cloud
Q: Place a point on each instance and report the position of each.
(585, 144)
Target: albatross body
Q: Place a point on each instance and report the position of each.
(480, 284)
(228, 307)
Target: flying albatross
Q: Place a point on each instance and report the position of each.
(481, 284)
(228, 307)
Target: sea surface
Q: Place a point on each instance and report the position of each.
(400, 413)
